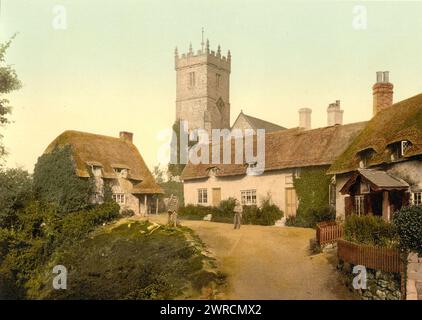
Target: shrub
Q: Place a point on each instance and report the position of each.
(55, 181)
(126, 213)
(266, 215)
(370, 230)
(77, 225)
(270, 213)
(225, 212)
(408, 222)
(312, 216)
(15, 192)
(192, 212)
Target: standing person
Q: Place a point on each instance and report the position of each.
(238, 210)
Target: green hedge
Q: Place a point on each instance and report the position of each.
(370, 230)
(310, 217)
(408, 223)
(265, 215)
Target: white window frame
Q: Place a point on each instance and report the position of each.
(120, 198)
(288, 179)
(359, 205)
(248, 197)
(97, 171)
(202, 196)
(404, 146)
(417, 198)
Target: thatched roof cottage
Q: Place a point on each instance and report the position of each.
(115, 160)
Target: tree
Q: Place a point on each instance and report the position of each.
(175, 169)
(55, 181)
(8, 82)
(158, 174)
(15, 191)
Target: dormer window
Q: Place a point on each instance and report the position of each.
(399, 149)
(405, 145)
(213, 171)
(121, 172)
(364, 157)
(97, 171)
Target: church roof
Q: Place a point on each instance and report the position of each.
(257, 123)
(400, 122)
(290, 148)
(109, 153)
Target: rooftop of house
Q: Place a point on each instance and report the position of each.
(108, 153)
(290, 148)
(257, 123)
(400, 122)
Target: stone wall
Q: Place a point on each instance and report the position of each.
(380, 285)
(414, 277)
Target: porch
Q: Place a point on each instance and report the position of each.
(148, 203)
(375, 192)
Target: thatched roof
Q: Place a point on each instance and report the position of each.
(402, 121)
(109, 153)
(291, 148)
(257, 123)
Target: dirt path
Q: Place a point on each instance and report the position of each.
(269, 262)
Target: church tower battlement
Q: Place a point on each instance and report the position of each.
(203, 88)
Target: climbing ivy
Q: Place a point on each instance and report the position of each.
(312, 189)
(55, 181)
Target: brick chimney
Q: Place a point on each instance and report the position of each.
(126, 136)
(383, 92)
(305, 118)
(334, 114)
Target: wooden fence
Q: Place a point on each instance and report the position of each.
(383, 259)
(328, 232)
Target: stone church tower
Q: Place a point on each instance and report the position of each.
(203, 88)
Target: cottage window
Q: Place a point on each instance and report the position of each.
(96, 171)
(405, 145)
(202, 196)
(417, 198)
(365, 157)
(399, 149)
(288, 179)
(359, 205)
(248, 197)
(119, 198)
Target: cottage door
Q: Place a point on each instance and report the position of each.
(216, 196)
(291, 202)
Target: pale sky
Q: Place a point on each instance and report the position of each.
(112, 68)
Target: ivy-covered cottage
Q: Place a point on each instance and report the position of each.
(113, 163)
(381, 170)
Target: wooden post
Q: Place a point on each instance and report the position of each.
(145, 205)
(156, 205)
(385, 206)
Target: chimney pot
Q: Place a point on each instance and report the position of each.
(305, 118)
(126, 136)
(386, 77)
(334, 114)
(382, 92)
(379, 76)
